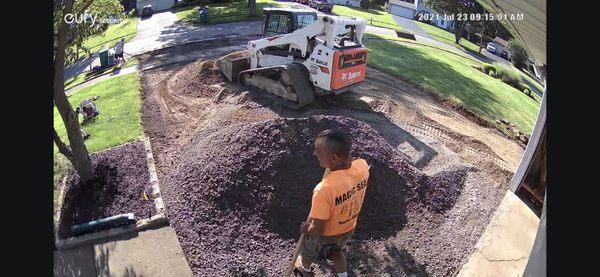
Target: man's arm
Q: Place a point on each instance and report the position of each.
(314, 227)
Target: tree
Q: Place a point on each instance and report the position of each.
(78, 32)
(456, 8)
(518, 54)
(66, 35)
(252, 8)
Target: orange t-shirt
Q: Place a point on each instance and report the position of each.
(339, 197)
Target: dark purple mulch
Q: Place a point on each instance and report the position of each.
(121, 177)
(237, 195)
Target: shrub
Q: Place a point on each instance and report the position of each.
(486, 67)
(508, 74)
(518, 54)
(492, 73)
(525, 88)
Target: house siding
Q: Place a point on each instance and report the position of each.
(352, 3)
(157, 5)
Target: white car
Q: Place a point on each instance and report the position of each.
(491, 47)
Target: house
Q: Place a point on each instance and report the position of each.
(403, 8)
(500, 44)
(352, 3)
(409, 8)
(157, 5)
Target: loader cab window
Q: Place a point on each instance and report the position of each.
(305, 19)
(278, 24)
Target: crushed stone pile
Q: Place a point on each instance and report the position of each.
(237, 194)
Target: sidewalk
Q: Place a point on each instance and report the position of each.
(149, 253)
(505, 245)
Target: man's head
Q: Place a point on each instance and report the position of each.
(332, 148)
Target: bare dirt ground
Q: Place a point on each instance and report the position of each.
(200, 126)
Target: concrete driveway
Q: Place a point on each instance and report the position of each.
(410, 26)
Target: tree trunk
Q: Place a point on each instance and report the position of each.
(481, 38)
(80, 157)
(458, 31)
(252, 8)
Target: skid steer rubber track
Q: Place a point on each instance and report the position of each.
(289, 82)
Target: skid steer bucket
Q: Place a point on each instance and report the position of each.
(232, 68)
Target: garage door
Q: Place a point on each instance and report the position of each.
(402, 11)
(157, 5)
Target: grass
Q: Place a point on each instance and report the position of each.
(379, 18)
(119, 120)
(126, 29)
(454, 77)
(219, 13)
(81, 78)
(448, 37)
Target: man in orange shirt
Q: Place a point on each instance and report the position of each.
(336, 203)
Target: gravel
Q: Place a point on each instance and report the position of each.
(121, 177)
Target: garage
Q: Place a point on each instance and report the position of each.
(402, 11)
(157, 5)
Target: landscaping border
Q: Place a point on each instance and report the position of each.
(158, 220)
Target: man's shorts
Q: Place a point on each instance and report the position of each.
(317, 248)
(119, 55)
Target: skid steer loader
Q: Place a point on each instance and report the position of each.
(302, 55)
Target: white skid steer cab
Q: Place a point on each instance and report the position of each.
(302, 55)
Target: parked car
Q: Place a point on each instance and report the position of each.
(491, 47)
(504, 54)
(321, 5)
(303, 2)
(147, 11)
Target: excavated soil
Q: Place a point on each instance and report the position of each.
(121, 177)
(237, 171)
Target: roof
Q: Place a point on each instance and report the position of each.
(500, 41)
(531, 30)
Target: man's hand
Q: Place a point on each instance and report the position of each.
(314, 227)
(304, 227)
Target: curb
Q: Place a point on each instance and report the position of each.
(158, 202)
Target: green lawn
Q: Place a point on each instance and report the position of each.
(119, 120)
(377, 18)
(448, 37)
(74, 81)
(219, 13)
(124, 29)
(453, 77)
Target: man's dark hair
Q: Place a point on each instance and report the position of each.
(337, 142)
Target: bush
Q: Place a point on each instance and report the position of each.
(508, 74)
(492, 73)
(486, 67)
(526, 89)
(518, 54)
